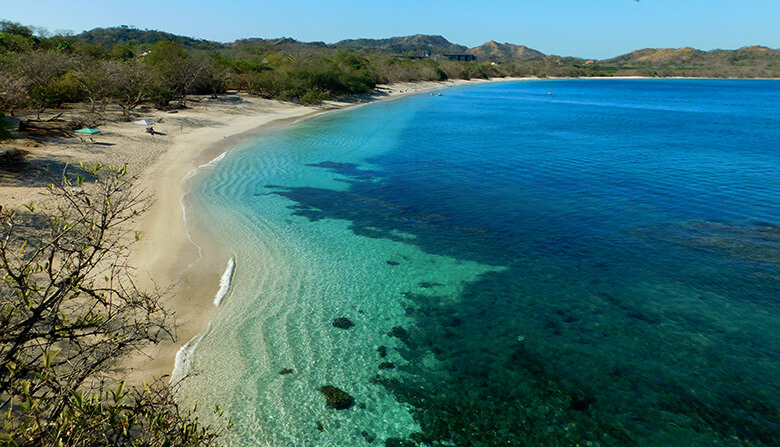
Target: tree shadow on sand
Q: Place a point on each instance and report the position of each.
(17, 168)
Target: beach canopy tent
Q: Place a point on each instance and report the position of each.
(143, 122)
(87, 130)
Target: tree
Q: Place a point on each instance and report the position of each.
(15, 28)
(238, 72)
(16, 37)
(59, 42)
(94, 78)
(70, 312)
(41, 72)
(13, 95)
(122, 51)
(208, 77)
(177, 71)
(130, 83)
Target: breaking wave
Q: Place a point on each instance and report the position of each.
(224, 282)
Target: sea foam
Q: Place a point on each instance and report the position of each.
(184, 356)
(224, 282)
(183, 363)
(213, 162)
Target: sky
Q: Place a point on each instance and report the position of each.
(597, 29)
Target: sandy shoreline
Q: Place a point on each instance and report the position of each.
(165, 257)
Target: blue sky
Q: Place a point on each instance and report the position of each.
(584, 28)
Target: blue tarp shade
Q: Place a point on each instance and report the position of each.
(88, 130)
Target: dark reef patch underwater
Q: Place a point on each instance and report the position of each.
(499, 266)
(635, 227)
(587, 364)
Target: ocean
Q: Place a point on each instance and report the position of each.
(534, 263)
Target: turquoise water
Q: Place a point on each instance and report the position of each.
(592, 262)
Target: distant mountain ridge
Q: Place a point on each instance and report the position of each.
(422, 44)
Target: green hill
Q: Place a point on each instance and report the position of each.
(404, 45)
(502, 52)
(108, 37)
(751, 61)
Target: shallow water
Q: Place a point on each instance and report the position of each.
(544, 263)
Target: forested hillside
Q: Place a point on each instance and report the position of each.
(128, 66)
(109, 37)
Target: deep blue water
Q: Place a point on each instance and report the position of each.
(631, 229)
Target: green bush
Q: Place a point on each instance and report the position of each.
(66, 89)
(314, 96)
(5, 134)
(312, 81)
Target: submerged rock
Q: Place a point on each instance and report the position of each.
(382, 350)
(398, 442)
(393, 263)
(452, 321)
(319, 426)
(336, 398)
(343, 323)
(386, 365)
(286, 371)
(370, 437)
(399, 332)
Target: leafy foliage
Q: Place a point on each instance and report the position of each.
(70, 311)
(323, 78)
